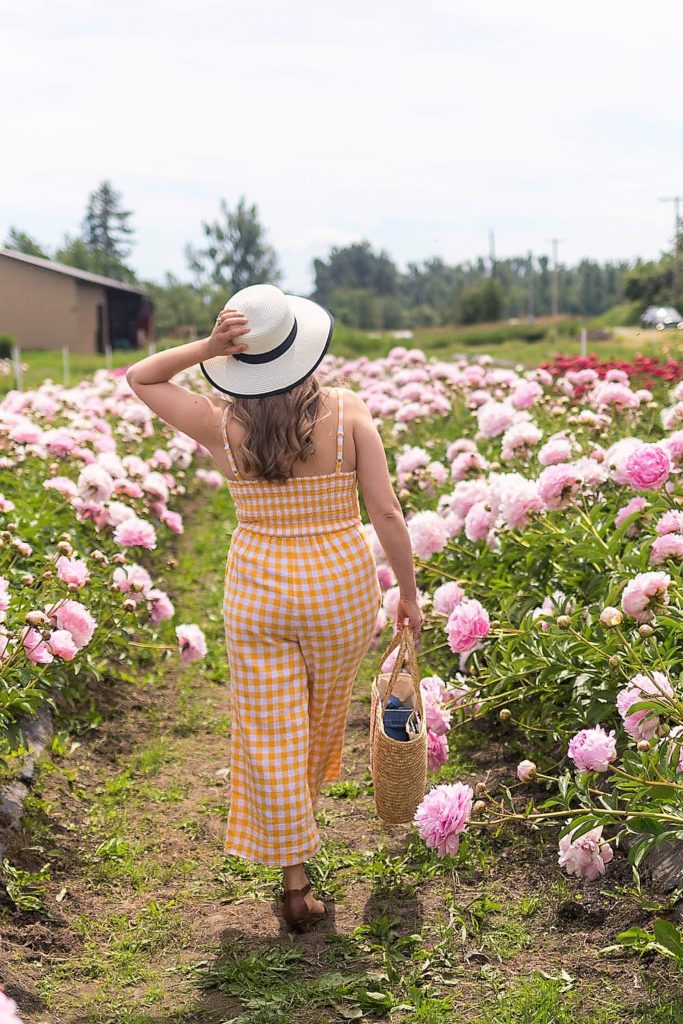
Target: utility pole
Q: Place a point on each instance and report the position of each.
(555, 288)
(530, 288)
(676, 200)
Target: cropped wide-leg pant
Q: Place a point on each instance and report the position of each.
(299, 614)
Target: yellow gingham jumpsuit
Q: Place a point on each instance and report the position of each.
(300, 606)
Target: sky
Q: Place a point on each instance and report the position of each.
(420, 125)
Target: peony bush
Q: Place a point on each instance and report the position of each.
(545, 509)
(91, 495)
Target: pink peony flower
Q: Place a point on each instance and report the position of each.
(35, 648)
(159, 605)
(643, 724)
(671, 522)
(442, 817)
(648, 467)
(467, 624)
(557, 485)
(173, 520)
(95, 484)
(61, 484)
(592, 750)
(191, 643)
(629, 509)
(586, 856)
(390, 602)
(8, 1010)
(428, 533)
(437, 717)
(73, 572)
(4, 597)
(386, 576)
(75, 617)
(135, 532)
(556, 449)
(437, 751)
(211, 477)
(479, 521)
(526, 393)
(446, 597)
(133, 580)
(62, 644)
(646, 594)
(494, 418)
(668, 546)
(519, 498)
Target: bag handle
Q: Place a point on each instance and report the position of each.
(402, 639)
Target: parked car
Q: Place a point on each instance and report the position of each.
(661, 317)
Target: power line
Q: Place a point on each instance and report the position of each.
(555, 290)
(676, 200)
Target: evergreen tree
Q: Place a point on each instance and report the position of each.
(236, 253)
(20, 241)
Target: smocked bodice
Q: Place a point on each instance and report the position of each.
(299, 506)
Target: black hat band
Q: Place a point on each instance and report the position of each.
(275, 353)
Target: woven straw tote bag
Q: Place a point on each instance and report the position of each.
(398, 767)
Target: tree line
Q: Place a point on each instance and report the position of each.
(361, 286)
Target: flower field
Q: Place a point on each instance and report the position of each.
(546, 517)
(545, 510)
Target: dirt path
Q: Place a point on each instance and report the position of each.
(143, 919)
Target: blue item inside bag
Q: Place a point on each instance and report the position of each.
(395, 719)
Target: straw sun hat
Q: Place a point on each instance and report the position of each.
(287, 339)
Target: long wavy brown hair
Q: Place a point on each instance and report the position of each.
(278, 429)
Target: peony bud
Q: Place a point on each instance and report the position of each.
(480, 789)
(65, 536)
(120, 558)
(645, 630)
(36, 618)
(28, 579)
(614, 661)
(47, 575)
(171, 563)
(526, 771)
(129, 605)
(478, 807)
(611, 617)
(138, 586)
(643, 746)
(504, 714)
(99, 556)
(563, 621)
(65, 548)
(663, 729)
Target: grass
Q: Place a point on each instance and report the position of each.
(496, 340)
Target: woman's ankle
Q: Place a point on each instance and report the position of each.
(294, 877)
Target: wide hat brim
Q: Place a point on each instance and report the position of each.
(258, 380)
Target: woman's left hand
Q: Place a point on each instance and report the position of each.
(229, 327)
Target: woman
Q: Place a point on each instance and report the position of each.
(301, 588)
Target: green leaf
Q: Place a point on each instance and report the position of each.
(670, 937)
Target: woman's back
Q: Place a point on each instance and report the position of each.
(334, 418)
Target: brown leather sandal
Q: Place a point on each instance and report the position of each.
(296, 911)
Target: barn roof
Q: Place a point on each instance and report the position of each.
(62, 268)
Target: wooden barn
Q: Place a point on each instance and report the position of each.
(49, 305)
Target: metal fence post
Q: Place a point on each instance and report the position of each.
(16, 365)
(107, 357)
(65, 364)
(584, 342)
(152, 347)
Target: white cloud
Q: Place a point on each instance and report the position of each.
(417, 125)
